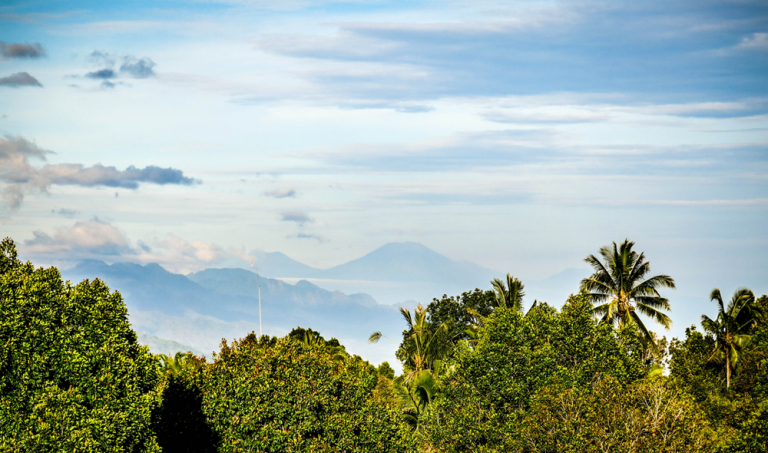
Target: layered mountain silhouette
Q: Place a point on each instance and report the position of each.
(200, 309)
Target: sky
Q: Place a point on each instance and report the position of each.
(519, 135)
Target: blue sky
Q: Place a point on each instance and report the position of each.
(521, 136)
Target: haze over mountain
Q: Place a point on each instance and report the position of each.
(199, 309)
(393, 273)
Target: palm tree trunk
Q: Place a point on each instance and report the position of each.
(727, 369)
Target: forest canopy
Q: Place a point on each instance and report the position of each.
(482, 371)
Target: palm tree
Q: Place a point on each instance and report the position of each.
(509, 295)
(416, 396)
(175, 363)
(313, 339)
(731, 328)
(428, 344)
(620, 289)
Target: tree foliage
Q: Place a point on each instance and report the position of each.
(289, 396)
(491, 390)
(72, 377)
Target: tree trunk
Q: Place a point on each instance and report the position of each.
(727, 369)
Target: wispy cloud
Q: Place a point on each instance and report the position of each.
(296, 216)
(21, 176)
(310, 236)
(281, 193)
(64, 212)
(755, 41)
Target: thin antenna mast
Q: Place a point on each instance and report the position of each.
(258, 279)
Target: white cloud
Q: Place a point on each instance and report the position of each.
(92, 237)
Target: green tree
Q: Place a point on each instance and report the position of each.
(174, 364)
(426, 343)
(72, 376)
(509, 295)
(483, 402)
(460, 313)
(289, 396)
(731, 328)
(313, 338)
(179, 422)
(620, 289)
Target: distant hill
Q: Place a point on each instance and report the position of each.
(200, 309)
(279, 265)
(159, 345)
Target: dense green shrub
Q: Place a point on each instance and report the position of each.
(288, 396)
(486, 400)
(72, 377)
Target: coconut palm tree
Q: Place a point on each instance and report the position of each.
(731, 328)
(427, 343)
(509, 295)
(620, 289)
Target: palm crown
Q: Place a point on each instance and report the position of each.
(731, 328)
(620, 289)
(509, 295)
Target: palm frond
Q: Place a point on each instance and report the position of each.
(407, 316)
(709, 325)
(716, 296)
(659, 303)
(654, 314)
(601, 309)
(643, 330)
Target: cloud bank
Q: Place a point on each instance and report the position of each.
(22, 177)
(98, 239)
(90, 237)
(129, 66)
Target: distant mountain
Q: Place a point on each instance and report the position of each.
(393, 273)
(279, 265)
(408, 262)
(201, 309)
(240, 282)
